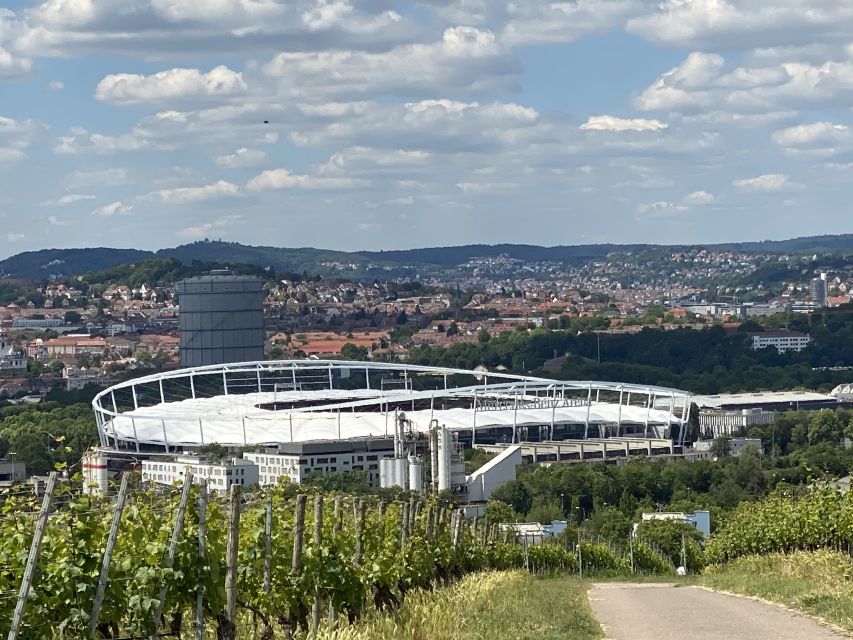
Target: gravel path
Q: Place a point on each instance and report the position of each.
(666, 612)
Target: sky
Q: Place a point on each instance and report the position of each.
(375, 124)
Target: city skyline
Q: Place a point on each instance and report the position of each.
(363, 126)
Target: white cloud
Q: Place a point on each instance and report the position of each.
(201, 230)
(464, 60)
(112, 209)
(57, 222)
(612, 123)
(99, 178)
(661, 208)
(698, 198)
(743, 23)
(68, 198)
(476, 188)
(83, 141)
(823, 137)
(534, 22)
(11, 65)
(146, 27)
(241, 158)
(11, 236)
(170, 86)
(764, 183)
(284, 179)
(664, 208)
(56, 85)
(184, 195)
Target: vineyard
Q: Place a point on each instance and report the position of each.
(821, 518)
(253, 565)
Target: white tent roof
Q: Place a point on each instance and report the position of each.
(236, 419)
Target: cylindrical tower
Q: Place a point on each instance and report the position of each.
(221, 319)
(416, 474)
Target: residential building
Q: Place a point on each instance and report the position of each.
(782, 340)
(299, 461)
(12, 359)
(220, 474)
(736, 445)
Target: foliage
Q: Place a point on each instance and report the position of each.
(46, 434)
(387, 569)
(820, 518)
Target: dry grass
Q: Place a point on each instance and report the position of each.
(510, 605)
(817, 583)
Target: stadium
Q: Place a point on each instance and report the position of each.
(269, 402)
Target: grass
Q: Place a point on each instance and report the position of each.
(507, 605)
(816, 583)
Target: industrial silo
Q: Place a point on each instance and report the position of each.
(221, 319)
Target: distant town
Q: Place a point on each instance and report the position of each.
(67, 331)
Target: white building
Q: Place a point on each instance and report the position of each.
(782, 340)
(11, 358)
(496, 472)
(220, 474)
(299, 461)
(717, 423)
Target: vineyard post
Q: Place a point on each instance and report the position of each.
(232, 545)
(631, 552)
(318, 542)
(457, 527)
(474, 523)
(383, 507)
(173, 549)
(359, 532)
(32, 559)
(580, 555)
(298, 531)
(108, 556)
(268, 546)
(337, 516)
(683, 552)
(202, 554)
(404, 521)
(430, 521)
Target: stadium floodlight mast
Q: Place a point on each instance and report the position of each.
(267, 402)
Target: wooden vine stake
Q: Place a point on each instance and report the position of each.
(32, 558)
(173, 549)
(359, 532)
(318, 543)
(232, 545)
(202, 555)
(268, 547)
(298, 533)
(108, 556)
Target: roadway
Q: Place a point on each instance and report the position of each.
(667, 612)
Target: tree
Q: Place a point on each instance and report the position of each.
(499, 512)
(721, 447)
(483, 336)
(353, 352)
(72, 317)
(516, 495)
(402, 318)
(825, 427)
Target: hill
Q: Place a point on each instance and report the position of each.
(43, 264)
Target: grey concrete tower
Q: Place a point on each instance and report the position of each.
(221, 319)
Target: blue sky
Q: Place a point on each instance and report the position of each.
(392, 125)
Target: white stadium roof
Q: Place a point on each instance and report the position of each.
(260, 403)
